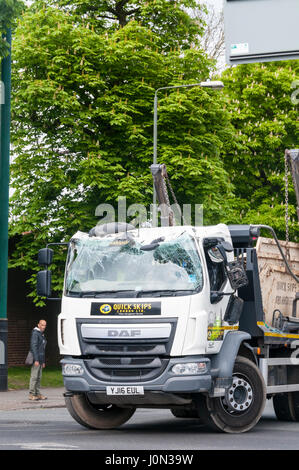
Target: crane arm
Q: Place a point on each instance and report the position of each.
(159, 176)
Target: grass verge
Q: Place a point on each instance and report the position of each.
(19, 377)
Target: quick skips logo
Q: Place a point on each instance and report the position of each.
(105, 309)
(132, 308)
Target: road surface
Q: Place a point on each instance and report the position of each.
(54, 429)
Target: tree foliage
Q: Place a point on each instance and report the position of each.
(266, 121)
(9, 10)
(82, 126)
(168, 19)
(84, 78)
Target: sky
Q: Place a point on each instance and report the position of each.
(216, 3)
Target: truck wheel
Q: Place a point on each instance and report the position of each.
(243, 404)
(286, 406)
(96, 416)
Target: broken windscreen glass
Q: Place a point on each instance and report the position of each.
(120, 264)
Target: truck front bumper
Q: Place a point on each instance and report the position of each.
(167, 382)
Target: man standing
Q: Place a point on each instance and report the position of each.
(37, 347)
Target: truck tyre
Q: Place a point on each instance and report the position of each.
(286, 406)
(96, 416)
(243, 404)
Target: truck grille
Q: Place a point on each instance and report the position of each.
(124, 369)
(124, 360)
(95, 349)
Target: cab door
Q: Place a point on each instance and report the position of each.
(219, 282)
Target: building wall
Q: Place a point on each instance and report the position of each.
(23, 316)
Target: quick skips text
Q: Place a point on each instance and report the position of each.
(130, 308)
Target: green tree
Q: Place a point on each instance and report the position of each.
(168, 19)
(266, 121)
(9, 10)
(82, 127)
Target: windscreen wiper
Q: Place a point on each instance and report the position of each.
(162, 293)
(98, 294)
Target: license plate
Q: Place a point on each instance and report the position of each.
(125, 390)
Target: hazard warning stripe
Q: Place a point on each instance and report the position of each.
(277, 335)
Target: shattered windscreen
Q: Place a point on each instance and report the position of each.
(122, 264)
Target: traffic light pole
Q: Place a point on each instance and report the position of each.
(4, 199)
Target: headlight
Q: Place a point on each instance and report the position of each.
(190, 368)
(72, 369)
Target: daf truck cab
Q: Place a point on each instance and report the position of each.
(150, 318)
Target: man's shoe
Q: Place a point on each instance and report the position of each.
(41, 397)
(33, 397)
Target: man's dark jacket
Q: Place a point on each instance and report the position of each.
(38, 345)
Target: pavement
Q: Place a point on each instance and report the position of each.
(19, 399)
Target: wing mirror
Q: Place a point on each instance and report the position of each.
(217, 249)
(44, 283)
(45, 257)
(44, 278)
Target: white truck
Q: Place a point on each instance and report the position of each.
(171, 317)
